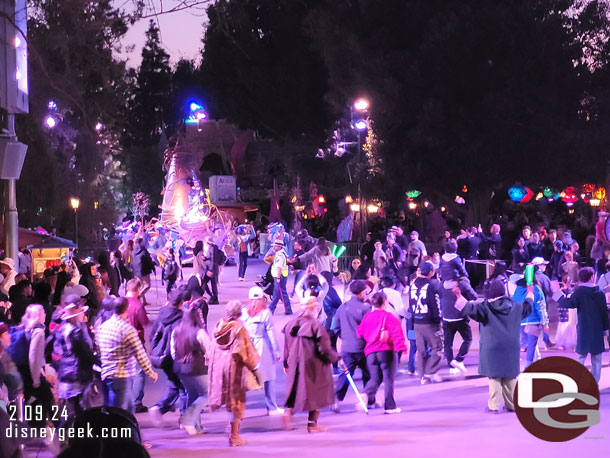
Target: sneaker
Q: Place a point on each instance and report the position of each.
(454, 371)
(335, 408)
(425, 380)
(391, 411)
(494, 412)
(373, 406)
(411, 373)
(436, 378)
(273, 413)
(458, 365)
(155, 416)
(190, 430)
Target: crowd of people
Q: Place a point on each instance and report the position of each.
(78, 336)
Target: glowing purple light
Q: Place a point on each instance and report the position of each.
(360, 125)
(50, 122)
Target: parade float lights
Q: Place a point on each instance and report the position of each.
(197, 113)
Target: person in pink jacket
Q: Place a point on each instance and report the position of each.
(384, 338)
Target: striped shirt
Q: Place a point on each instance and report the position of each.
(120, 347)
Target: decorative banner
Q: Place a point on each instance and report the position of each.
(345, 229)
(600, 193)
(517, 192)
(529, 195)
(568, 195)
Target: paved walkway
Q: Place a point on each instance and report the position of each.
(440, 420)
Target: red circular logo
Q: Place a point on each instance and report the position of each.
(557, 399)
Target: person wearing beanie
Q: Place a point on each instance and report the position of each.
(308, 359)
(500, 323)
(232, 359)
(345, 325)
(424, 304)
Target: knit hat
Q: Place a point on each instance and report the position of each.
(496, 289)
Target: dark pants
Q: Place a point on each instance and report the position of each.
(73, 407)
(213, 281)
(297, 278)
(429, 336)
(243, 264)
(449, 330)
(352, 361)
(170, 285)
(175, 390)
(382, 366)
(279, 292)
(42, 395)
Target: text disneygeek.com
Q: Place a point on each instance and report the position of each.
(85, 432)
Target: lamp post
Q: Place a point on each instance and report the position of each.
(360, 108)
(75, 203)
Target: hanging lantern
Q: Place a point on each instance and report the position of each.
(413, 194)
(568, 195)
(517, 192)
(588, 188)
(465, 189)
(529, 195)
(600, 193)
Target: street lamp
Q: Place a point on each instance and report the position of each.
(361, 105)
(75, 203)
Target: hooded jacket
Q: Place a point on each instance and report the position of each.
(499, 347)
(424, 301)
(449, 312)
(451, 267)
(590, 303)
(232, 360)
(538, 314)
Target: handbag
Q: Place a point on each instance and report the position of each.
(384, 334)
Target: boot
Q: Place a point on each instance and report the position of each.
(287, 420)
(234, 439)
(312, 422)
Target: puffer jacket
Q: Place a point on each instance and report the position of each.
(538, 314)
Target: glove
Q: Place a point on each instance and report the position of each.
(258, 376)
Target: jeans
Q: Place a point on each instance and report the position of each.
(138, 386)
(412, 355)
(449, 330)
(243, 264)
(352, 361)
(118, 393)
(196, 387)
(270, 397)
(175, 389)
(596, 364)
(279, 292)
(532, 347)
(429, 336)
(382, 366)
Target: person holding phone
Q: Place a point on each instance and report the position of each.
(538, 320)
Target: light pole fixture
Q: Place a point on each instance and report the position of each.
(75, 203)
(361, 105)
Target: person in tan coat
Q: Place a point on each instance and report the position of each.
(232, 369)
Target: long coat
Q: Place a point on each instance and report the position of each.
(232, 360)
(260, 328)
(308, 357)
(590, 303)
(499, 347)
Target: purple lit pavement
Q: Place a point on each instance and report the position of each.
(439, 420)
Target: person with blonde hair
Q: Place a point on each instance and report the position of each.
(27, 350)
(308, 359)
(232, 366)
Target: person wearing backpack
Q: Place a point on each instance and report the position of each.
(384, 338)
(160, 337)
(75, 346)
(170, 271)
(27, 350)
(190, 344)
